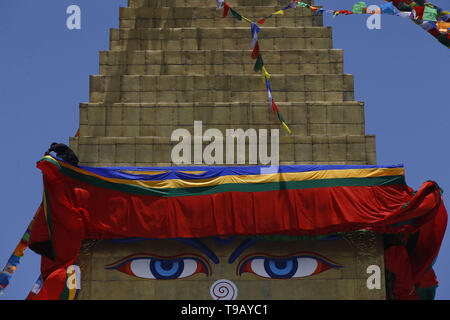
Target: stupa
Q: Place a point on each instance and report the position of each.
(173, 62)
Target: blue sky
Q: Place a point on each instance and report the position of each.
(401, 73)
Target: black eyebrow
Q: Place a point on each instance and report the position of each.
(196, 243)
(243, 246)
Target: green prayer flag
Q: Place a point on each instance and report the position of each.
(236, 14)
(302, 4)
(430, 14)
(259, 64)
(358, 7)
(280, 116)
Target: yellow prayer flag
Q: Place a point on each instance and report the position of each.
(443, 26)
(286, 127)
(246, 19)
(265, 74)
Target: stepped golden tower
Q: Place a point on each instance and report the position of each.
(173, 62)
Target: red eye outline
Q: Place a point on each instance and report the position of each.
(323, 263)
(124, 265)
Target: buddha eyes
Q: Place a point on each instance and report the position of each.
(297, 265)
(161, 268)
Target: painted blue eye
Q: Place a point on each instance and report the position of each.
(297, 265)
(280, 268)
(167, 269)
(161, 268)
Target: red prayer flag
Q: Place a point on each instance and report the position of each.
(226, 9)
(255, 51)
(419, 11)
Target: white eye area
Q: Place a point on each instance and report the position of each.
(175, 269)
(190, 266)
(306, 267)
(141, 268)
(280, 268)
(257, 266)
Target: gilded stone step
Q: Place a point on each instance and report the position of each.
(220, 88)
(235, 38)
(183, 114)
(173, 62)
(219, 21)
(210, 17)
(206, 3)
(209, 62)
(143, 119)
(156, 150)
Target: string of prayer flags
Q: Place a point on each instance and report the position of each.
(420, 11)
(14, 259)
(275, 108)
(426, 15)
(259, 64)
(430, 17)
(279, 12)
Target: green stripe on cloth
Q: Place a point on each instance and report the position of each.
(65, 293)
(427, 293)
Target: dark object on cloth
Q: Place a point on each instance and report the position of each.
(64, 152)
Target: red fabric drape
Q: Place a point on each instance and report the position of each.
(77, 210)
